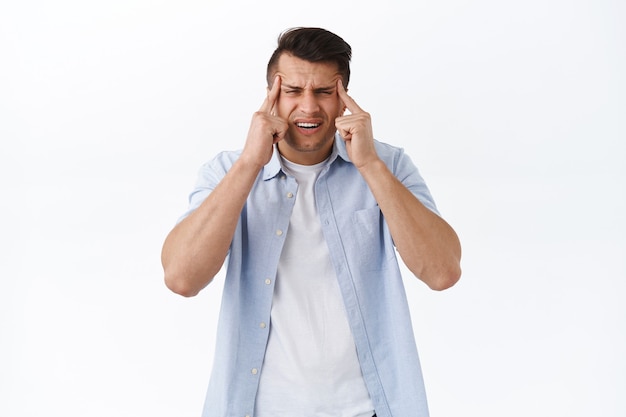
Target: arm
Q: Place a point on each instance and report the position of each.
(426, 243)
(194, 251)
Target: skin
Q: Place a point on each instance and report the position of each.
(308, 94)
(305, 92)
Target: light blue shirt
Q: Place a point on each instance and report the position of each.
(363, 256)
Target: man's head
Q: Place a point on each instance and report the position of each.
(307, 65)
(313, 45)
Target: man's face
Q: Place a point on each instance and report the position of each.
(309, 102)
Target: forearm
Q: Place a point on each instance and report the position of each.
(426, 243)
(195, 250)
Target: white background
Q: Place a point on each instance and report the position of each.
(514, 112)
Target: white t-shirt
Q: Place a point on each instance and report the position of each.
(311, 367)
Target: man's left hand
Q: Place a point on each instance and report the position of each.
(356, 130)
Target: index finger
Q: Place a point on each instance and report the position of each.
(347, 100)
(272, 96)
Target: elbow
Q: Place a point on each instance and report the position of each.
(179, 285)
(448, 272)
(183, 280)
(445, 279)
(180, 288)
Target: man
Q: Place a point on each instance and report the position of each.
(314, 318)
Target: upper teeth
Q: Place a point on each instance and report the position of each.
(308, 124)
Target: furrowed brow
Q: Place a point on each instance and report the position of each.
(291, 87)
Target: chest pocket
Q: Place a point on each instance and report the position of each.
(374, 244)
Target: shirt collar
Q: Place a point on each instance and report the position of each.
(339, 149)
(273, 167)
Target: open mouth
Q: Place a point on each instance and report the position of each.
(308, 125)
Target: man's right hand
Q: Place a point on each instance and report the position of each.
(195, 250)
(266, 129)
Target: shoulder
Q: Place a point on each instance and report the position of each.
(221, 163)
(394, 157)
(402, 166)
(386, 150)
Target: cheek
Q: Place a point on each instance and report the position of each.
(333, 107)
(335, 112)
(284, 107)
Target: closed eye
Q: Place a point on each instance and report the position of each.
(293, 90)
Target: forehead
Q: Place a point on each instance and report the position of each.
(301, 73)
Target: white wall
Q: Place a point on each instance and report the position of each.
(514, 112)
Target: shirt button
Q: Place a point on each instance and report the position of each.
(262, 325)
(254, 371)
(268, 281)
(279, 232)
(289, 195)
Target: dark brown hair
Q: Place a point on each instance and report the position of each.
(313, 45)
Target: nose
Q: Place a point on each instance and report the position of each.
(308, 102)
